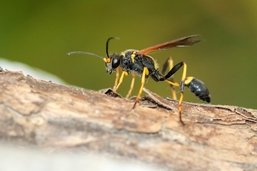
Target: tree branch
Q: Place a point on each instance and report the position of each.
(49, 115)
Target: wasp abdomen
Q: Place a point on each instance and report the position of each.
(199, 89)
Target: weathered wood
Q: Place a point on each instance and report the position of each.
(48, 115)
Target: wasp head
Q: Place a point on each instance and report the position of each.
(112, 62)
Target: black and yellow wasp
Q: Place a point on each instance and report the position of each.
(138, 62)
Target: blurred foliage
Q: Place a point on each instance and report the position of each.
(40, 33)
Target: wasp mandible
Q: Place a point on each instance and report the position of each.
(139, 62)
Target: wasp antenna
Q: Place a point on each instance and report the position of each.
(84, 53)
(107, 44)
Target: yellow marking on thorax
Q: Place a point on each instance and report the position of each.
(133, 55)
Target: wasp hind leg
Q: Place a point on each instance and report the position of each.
(196, 86)
(181, 85)
(168, 65)
(144, 74)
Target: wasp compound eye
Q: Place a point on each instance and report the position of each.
(115, 62)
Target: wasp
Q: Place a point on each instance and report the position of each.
(140, 63)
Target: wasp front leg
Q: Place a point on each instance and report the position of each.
(118, 70)
(124, 73)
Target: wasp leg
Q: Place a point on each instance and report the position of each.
(196, 86)
(168, 64)
(131, 85)
(117, 77)
(182, 86)
(172, 71)
(173, 93)
(124, 73)
(174, 84)
(144, 74)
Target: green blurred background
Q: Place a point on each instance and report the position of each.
(40, 33)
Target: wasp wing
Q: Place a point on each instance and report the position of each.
(181, 42)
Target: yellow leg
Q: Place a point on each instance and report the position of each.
(180, 108)
(175, 84)
(145, 73)
(184, 72)
(173, 93)
(173, 90)
(170, 64)
(182, 93)
(124, 73)
(131, 86)
(116, 78)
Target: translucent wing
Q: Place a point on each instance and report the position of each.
(181, 42)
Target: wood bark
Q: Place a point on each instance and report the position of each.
(47, 115)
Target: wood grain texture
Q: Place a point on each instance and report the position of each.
(48, 115)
